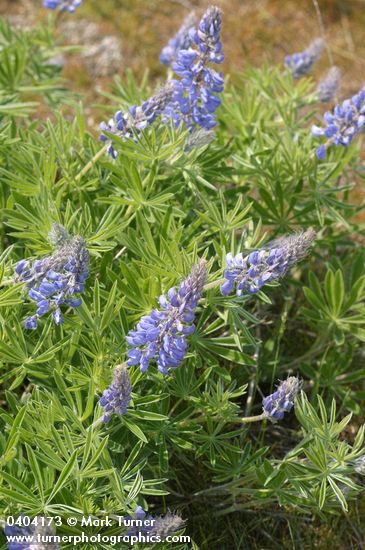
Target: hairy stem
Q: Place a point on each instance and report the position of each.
(213, 284)
(91, 162)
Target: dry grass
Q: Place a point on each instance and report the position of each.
(253, 29)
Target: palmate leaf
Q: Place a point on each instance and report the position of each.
(11, 296)
(64, 475)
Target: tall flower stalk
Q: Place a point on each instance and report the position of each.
(161, 335)
(192, 99)
(200, 84)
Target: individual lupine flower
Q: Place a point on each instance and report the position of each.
(196, 93)
(116, 398)
(166, 525)
(127, 125)
(327, 87)
(282, 400)
(346, 121)
(139, 515)
(161, 335)
(300, 64)
(57, 279)
(359, 465)
(252, 272)
(35, 531)
(62, 5)
(181, 41)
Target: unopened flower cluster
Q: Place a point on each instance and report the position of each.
(162, 526)
(327, 87)
(55, 280)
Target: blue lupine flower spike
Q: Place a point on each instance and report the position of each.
(329, 84)
(341, 126)
(62, 5)
(282, 400)
(181, 41)
(300, 64)
(196, 93)
(57, 279)
(250, 273)
(127, 125)
(116, 398)
(38, 529)
(161, 335)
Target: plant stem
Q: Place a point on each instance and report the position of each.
(95, 423)
(213, 284)
(7, 282)
(91, 162)
(257, 418)
(254, 375)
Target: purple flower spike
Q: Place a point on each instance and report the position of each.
(250, 273)
(116, 398)
(343, 124)
(62, 5)
(161, 335)
(142, 528)
(196, 92)
(282, 400)
(53, 281)
(127, 125)
(24, 534)
(300, 64)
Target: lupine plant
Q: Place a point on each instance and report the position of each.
(212, 373)
(62, 5)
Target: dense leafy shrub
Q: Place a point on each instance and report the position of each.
(146, 217)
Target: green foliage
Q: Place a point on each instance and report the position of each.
(147, 217)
